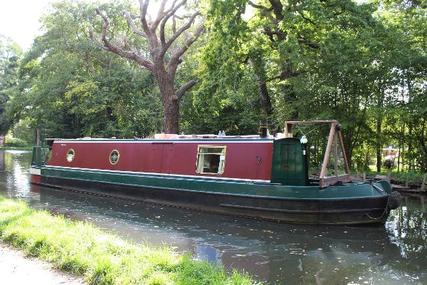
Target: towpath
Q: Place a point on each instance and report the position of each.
(17, 269)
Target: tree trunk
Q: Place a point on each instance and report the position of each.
(264, 98)
(171, 116)
(379, 120)
(424, 149)
(409, 153)
(170, 101)
(260, 76)
(348, 147)
(159, 44)
(379, 144)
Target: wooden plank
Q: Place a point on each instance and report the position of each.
(288, 125)
(346, 165)
(311, 122)
(328, 151)
(331, 180)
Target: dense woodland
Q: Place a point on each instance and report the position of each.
(132, 69)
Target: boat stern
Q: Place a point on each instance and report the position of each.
(38, 160)
(35, 175)
(394, 198)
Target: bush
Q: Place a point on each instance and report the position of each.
(411, 177)
(15, 142)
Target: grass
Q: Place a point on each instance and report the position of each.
(410, 177)
(16, 147)
(100, 257)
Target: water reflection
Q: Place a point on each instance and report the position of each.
(278, 253)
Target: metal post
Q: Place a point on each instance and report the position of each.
(38, 137)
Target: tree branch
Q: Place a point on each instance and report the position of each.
(260, 6)
(143, 5)
(184, 88)
(277, 8)
(120, 50)
(174, 24)
(301, 13)
(132, 26)
(284, 74)
(185, 27)
(160, 15)
(166, 18)
(175, 58)
(308, 43)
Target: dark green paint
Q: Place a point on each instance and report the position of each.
(39, 155)
(289, 163)
(238, 188)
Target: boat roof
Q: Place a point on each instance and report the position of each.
(175, 138)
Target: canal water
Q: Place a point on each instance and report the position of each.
(275, 253)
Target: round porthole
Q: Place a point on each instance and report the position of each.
(114, 156)
(70, 155)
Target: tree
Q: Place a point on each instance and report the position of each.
(311, 59)
(165, 54)
(10, 55)
(407, 124)
(71, 88)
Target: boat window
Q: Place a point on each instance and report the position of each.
(114, 156)
(210, 159)
(70, 155)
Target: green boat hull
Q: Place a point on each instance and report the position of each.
(350, 203)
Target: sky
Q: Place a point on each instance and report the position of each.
(19, 20)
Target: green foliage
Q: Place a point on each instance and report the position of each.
(10, 54)
(79, 90)
(268, 60)
(15, 142)
(223, 99)
(363, 64)
(410, 177)
(100, 257)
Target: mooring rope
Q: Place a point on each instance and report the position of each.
(386, 206)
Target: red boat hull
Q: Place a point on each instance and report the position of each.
(167, 157)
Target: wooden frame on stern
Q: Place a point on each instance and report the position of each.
(334, 132)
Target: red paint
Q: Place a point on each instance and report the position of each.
(36, 179)
(243, 160)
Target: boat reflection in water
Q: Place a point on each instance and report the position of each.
(277, 253)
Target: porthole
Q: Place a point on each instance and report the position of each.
(114, 156)
(70, 155)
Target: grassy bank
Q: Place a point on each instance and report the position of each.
(102, 258)
(414, 178)
(16, 147)
(408, 177)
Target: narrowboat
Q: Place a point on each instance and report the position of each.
(260, 176)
